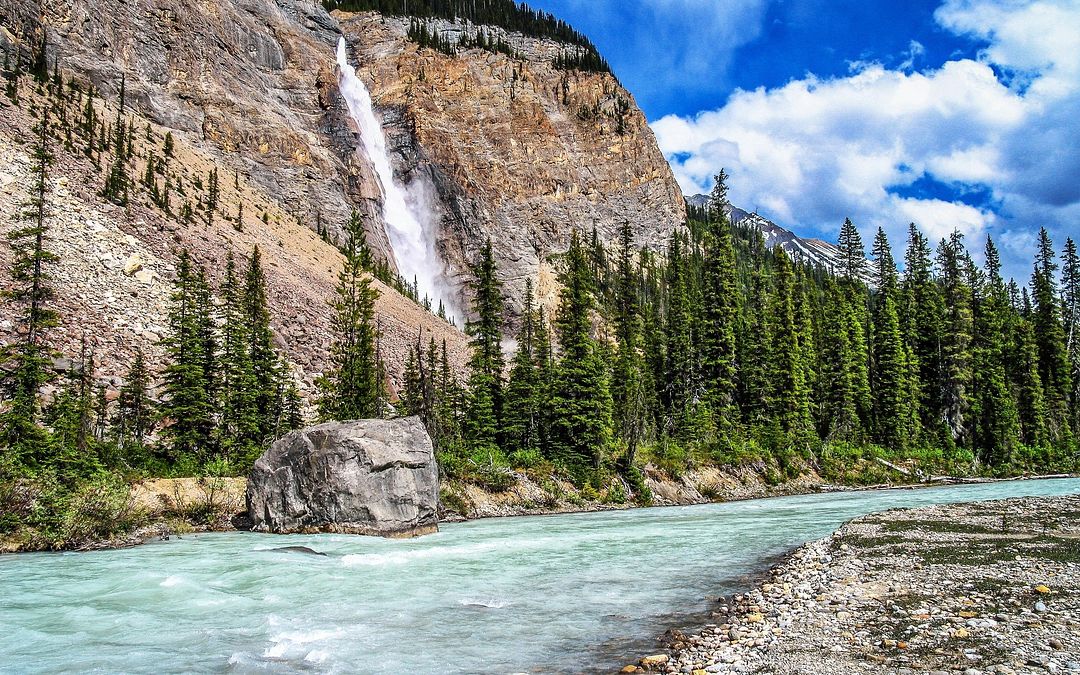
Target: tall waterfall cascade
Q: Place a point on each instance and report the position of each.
(411, 221)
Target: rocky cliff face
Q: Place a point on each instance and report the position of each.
(252, 80)
(116, 264)
(518, 150)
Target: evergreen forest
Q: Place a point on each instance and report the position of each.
(714, 352)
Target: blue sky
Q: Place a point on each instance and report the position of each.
(949, 113)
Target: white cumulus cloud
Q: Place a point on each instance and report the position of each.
(815, 151)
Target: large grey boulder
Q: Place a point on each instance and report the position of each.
(364, 477)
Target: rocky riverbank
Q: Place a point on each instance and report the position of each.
(985, 587)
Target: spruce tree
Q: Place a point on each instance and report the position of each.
(239, 429)
(1070, 294)
(956, 366)
(486, 363)
(521, 412)
(790, 398)
(213, 193)
(1031, 406)
(890, 386)
(26, 362)
(681, 376)
(1051, 342)
(852, 253)
(840, 413)
(186, 408)
(135, 412)
(581, 399)
(995, 419)
(628, 376)
(720, 300)
(292, 413)
(352, 388)
(264, 359)
(753, 344)
(923, 317)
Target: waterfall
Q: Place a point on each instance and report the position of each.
(411, 221)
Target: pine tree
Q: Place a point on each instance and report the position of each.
(486, 363)
(187, 408)
(581, 400)
(352, 387)
(26, 363)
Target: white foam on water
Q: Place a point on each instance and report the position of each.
(411, 220)
(489, 603)
(415, 555)
(284, 643)
(316, 656)
(172, 580)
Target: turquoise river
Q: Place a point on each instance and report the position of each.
(566, 593)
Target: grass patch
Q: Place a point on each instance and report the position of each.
(937, 526)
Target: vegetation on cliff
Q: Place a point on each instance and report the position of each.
(505, 14)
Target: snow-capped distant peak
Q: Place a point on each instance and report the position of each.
(806, 250)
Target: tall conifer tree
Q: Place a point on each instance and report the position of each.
(581, 399)
(27, 361)
(352, 388)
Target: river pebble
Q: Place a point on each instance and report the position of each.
(986, 587)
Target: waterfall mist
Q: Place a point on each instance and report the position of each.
(410, 218)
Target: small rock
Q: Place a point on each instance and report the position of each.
(133, 265)
(1040, 607)
(654, 661)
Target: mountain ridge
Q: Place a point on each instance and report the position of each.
(809, 250)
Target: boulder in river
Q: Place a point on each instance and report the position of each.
(376, 477)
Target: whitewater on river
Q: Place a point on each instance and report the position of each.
(562, 593)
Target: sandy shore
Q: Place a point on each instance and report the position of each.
(985, 587)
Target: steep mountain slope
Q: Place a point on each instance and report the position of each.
(514, 149)
(809, 250)
(518, 150)
(116, 263)
(251, 79)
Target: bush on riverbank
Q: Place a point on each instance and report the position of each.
(44, 511)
